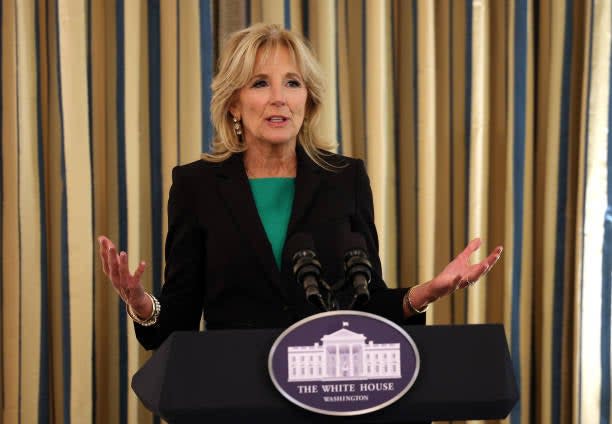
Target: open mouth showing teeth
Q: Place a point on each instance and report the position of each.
(277, 119)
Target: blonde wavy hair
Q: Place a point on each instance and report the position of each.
(235, 68)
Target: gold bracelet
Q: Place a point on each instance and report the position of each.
(154, 314)
(408, 303)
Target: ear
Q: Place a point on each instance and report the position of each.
(234, 110)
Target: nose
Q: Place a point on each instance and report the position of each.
(278, 95)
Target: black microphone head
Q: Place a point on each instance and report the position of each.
(306, 267)
(354, 245)
(357, 267)
(300, 243)
(356, 257)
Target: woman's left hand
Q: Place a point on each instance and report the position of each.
(458, 274)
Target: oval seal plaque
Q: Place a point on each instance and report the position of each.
(343, 363)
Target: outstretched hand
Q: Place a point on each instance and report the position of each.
(458, 274)
(127, 285)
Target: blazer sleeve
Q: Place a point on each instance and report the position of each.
(182, 294)
(384, 301)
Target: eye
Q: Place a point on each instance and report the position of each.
(294, 83)
(259, 83)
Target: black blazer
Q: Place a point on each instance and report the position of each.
(219, 259)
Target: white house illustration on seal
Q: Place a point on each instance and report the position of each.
(344, 355)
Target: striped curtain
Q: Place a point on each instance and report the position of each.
(475, 117)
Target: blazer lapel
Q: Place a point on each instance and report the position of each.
(235, 190)
(306, 185)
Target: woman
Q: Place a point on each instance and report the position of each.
(269, 177)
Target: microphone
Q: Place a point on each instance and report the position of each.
(306, 267)
(357, 268)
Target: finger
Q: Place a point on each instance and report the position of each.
(103, 257)
(475, 272)
(106, 256)
(108, 242)
(474, 244)
(498, 251)
(113, 261)
(471, 247)
(494, 256)
(124, 275)
(124, 272)
(111, 244)
(138, 274)
(481, 269)
(113, 258)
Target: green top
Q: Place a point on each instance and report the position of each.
(274, 199)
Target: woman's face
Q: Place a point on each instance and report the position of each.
(271, 105)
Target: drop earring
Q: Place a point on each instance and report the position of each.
(237, 127)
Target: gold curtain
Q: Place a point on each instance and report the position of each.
(475, 118)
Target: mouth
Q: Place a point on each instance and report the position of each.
(277, 119)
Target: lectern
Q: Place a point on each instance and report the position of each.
(222, 376)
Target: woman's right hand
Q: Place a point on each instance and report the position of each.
(127, 285)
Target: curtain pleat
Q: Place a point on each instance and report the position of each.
(55, 190)
(474, 117)
(405, 121)
(190, 82)
(122, 141)
(232, 15)
(443, 136)
(460, 91)
(355, 36)
(169, 95)
(136, 158)
(520, 210)
(544, 335)
(103, 134)
(322, 30)
(343, 82)
(76, 210)
(497, 169)
(296, 16)
(269, 11)
(379, 130)
(207, 59)
(478, 150)
(594, 335)
(426, 150)
(153, 278)
(29, 213)
(11, 252)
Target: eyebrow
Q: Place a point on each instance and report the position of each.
(287, 75)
